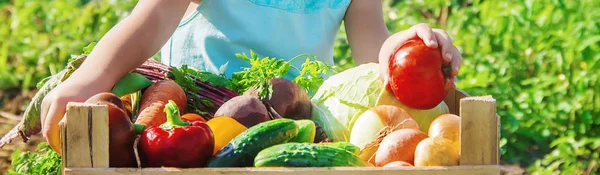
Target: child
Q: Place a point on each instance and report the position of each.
(213, 30)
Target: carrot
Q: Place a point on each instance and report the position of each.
(154, 100)
(192, 117)
(164, 91)
(152, 115)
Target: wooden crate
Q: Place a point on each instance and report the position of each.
(84, 135)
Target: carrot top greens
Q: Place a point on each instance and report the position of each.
(262, 70)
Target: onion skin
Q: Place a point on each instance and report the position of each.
(390, 116)
(423, 117)
(399, 145)
(436, 151)
(446, 126)
(376, 123)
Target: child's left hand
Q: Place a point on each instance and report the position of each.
(433, 38)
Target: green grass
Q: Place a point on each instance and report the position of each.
(538, 58)
(39, 36)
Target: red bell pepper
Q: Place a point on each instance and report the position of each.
(176, 143)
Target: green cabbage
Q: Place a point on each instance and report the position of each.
(323, 118)
(348, 94)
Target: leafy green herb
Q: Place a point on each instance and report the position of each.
(44, 161)
(310, 77)
(262, 70)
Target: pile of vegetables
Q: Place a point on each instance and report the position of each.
(183, 117)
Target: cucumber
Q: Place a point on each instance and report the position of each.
(306, 131)
(345, 146)
(242, 149)
(306, 155)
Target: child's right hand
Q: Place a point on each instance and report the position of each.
(434, 38)
(74, 89)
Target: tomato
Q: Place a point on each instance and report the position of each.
(418, 75)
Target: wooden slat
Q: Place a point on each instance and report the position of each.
(498, 138)
(63, 143)
(99, 131)
(451, 102)
(77, 148)
(479, 131)
(455, 170)
(85, 136)
(458, 95)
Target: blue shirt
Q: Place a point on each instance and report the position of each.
(218, 29)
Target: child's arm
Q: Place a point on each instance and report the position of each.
(126, 46)
(135, 39)
(370, 41)
(365, 29)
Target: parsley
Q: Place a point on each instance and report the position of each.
(262, 70)
(310, 77)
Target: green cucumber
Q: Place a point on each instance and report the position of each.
(306, 131)
(306, 155)
(345, 146)
(242, 149)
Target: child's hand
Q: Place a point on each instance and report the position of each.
(433, 38)
(74, 89)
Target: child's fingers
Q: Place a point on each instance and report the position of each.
(392, 43)
(426, 34)
(44, 111)
(51, 129)
(446, 43)
(450, 83)
(456, 61)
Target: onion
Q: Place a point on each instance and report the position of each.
(399, 145)
(423, 117)
(376, 123)
(436, 151)
(446, 126)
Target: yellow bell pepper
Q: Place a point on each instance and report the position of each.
(224, 130)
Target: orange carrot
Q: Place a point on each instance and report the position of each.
(192, 117)
(154, 100)
(152, 115)
(164, 91)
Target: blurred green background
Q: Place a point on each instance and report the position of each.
(538, 58)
